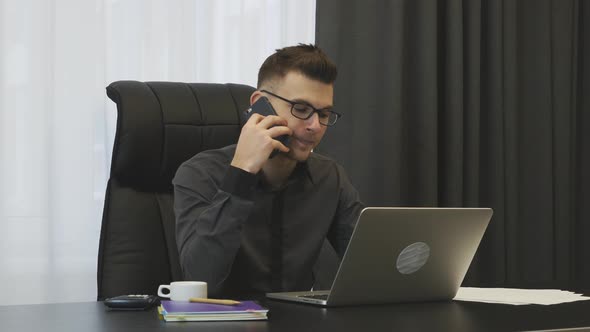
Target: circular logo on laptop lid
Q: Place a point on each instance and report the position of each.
(413, 257)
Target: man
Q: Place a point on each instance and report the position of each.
(249, 223)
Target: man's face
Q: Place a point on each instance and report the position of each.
(307, 134)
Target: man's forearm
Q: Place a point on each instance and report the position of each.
(208, 230)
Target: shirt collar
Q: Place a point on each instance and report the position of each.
(306, 169)
(301, 171)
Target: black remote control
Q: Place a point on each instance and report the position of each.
(131, 302)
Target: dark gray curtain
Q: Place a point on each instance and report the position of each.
(472, 103)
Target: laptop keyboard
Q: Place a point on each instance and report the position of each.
(317, 297)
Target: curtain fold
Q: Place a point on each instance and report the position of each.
(471, 103)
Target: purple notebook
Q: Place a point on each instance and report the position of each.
(188, 308)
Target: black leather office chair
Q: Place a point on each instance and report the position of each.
(159, 125)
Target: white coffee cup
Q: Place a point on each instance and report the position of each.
(183, 290)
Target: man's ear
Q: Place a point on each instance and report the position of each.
(254, 96)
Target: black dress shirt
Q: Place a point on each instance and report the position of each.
(242, 237)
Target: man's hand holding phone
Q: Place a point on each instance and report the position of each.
(258, 140)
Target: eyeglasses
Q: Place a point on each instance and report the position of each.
(305, 111)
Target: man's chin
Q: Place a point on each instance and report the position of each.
(298, 155)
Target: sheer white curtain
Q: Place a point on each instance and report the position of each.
(57, 125)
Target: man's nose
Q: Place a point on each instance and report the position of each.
(313, 123)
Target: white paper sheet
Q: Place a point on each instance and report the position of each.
(516, 296)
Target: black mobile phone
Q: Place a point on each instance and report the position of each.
(263, 107)
(131, 302)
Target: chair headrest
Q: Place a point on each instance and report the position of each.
(162, 124)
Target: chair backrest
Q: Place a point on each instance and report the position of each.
(159, 125)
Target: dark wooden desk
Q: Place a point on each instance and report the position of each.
(435, 316)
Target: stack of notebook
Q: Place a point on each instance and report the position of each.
(172, 311)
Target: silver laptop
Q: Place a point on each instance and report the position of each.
(403, 255)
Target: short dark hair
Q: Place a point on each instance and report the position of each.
(307, 59)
